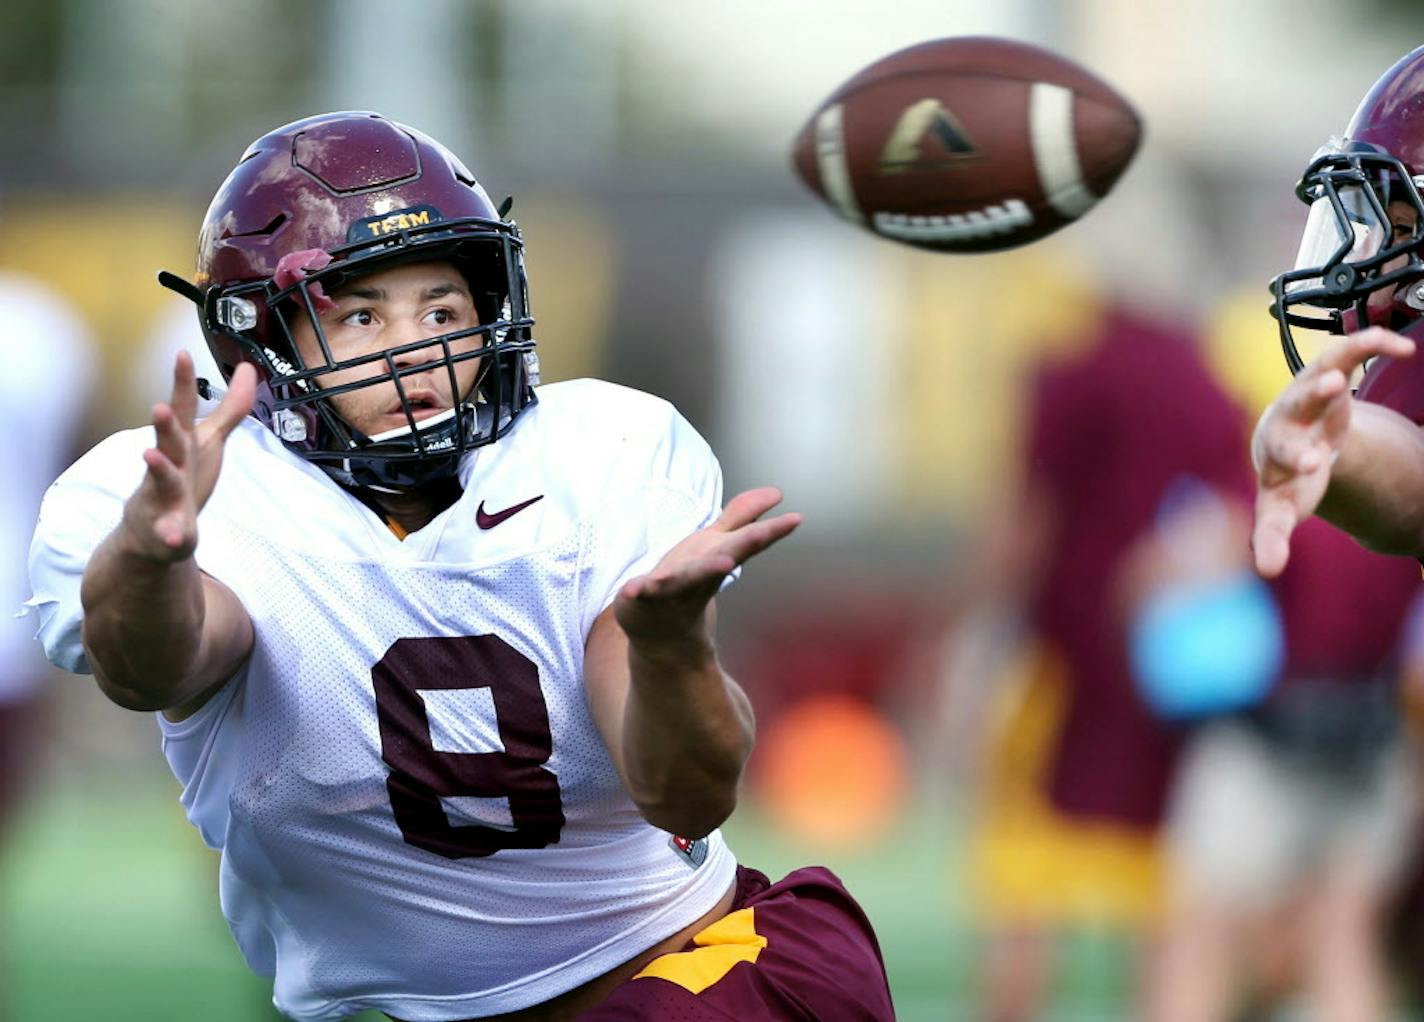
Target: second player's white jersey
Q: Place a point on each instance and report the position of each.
(415, 810)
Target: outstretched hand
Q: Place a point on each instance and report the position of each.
(668, 605)
(1300, 436)
(161, 518)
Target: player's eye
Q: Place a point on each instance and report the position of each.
(440, 317)
(360, 317)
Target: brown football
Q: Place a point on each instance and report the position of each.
(970, 144)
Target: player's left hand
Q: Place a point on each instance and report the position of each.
(667, 608)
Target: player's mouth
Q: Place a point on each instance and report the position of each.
(422, 404)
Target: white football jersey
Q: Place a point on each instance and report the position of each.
(415, 810)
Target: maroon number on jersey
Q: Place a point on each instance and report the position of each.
(421, 774)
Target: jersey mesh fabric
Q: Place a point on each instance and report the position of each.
(286, 771)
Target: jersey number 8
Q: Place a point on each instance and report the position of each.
(421, 775)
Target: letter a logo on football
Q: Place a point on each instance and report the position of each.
(919, 124)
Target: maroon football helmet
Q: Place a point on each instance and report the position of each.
(345, 194)
(1360, 260)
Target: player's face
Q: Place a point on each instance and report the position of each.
(1403, 220)
(388, 309)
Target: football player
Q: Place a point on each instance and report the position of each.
(1354, 456)
(1342, 441)
(44, 337)
(432, 649)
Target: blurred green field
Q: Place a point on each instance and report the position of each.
(108, 911)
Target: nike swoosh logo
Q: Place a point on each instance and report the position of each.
(489, 521)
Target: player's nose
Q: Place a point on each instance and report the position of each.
(411, 351)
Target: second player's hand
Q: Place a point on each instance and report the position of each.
(161, 519)
(1300, 436)
(666, 608)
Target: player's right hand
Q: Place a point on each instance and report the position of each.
(668, 606)
(1300, 436)
(161, 519)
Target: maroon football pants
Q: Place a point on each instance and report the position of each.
(800, 949)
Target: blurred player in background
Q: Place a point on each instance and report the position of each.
(1294, 818)
(433, 649)
(1405, 919)
(46, 374)
(1078, 777)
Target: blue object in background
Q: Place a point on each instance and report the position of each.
(1207, 648)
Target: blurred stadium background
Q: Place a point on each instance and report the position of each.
(671, 250)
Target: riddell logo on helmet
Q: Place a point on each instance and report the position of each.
(390, 223)
(279, 363)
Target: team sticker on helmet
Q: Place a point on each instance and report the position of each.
(390, 223)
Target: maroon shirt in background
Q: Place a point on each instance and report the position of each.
(1110, 432)
(1343, 606)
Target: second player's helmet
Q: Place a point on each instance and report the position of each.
(317, 202)
(1360, 260)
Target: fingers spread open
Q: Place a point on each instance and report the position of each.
(747, 507)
